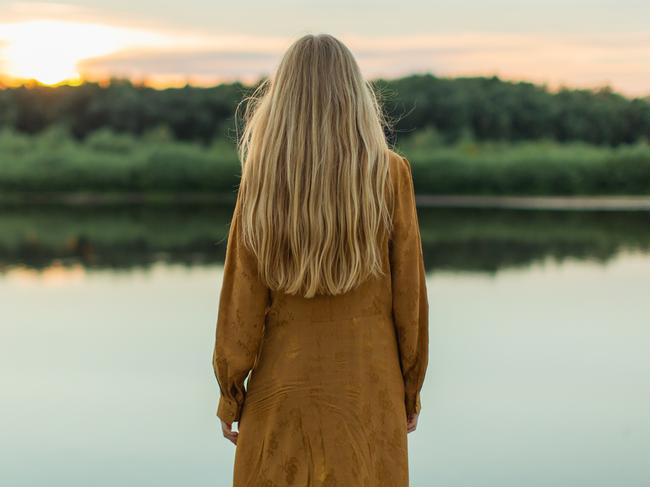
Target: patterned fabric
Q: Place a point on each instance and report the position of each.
(332, 378)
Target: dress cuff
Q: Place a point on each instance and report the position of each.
(413, 404)
(228, 410)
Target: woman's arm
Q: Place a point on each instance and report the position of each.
(410, 302)
(240, 323)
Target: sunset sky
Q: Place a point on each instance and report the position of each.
(574, 43)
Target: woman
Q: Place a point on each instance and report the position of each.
(324, 298)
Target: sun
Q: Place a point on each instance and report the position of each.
(50, 51)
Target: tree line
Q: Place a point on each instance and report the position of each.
(484, 108)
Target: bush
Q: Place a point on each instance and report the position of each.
(110, 162)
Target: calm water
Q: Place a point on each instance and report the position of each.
(539, 369)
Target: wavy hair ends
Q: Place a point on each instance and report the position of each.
(315, 197)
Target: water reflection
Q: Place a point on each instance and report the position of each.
(453, 239)
(538, 371)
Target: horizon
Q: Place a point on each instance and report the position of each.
(587, 47)
(35, 83)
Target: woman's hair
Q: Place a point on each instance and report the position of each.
(314, 193)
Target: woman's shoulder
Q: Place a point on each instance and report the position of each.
(400, 167)
(396, 157)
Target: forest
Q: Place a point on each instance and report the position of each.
(463, 136)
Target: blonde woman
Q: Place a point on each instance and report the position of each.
(324, 298)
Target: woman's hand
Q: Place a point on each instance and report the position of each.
(412, 423)
(228, 433)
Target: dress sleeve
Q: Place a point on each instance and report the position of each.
(410, 301)
(240, 322)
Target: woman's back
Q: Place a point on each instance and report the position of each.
(333, 377)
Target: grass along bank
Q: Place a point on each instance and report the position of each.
(120, 167)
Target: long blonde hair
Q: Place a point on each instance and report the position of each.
(314, 191)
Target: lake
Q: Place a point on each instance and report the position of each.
(539, 368)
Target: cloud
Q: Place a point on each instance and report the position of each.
(164, 56)
(192, 59)
(619, 60)
(173, 67)
(42, 9)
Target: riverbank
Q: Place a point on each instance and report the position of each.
(113, 198)
(206, 199)
(567, 203)
(110, 167)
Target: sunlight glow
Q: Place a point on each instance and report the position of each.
(55, 51)
(55, 275)
(49, 51)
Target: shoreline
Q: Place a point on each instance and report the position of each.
(558, 203)
(120, 199)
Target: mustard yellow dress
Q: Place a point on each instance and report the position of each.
(332, 378)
